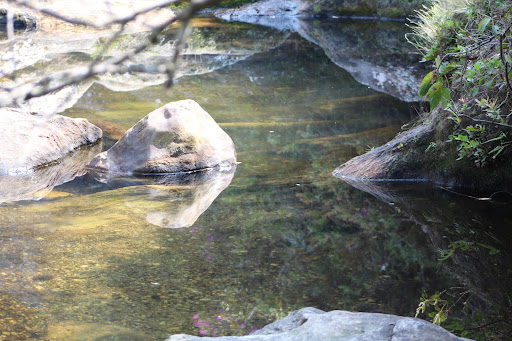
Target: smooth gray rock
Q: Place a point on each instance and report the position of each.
(310, 324)
(328, 8)
(29, 140)
(178, 137)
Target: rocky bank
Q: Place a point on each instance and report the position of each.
(378, 56)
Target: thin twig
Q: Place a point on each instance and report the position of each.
(503, 60)
(485, 121)
(75, 21)
(61, 80)
(486, 325)
(10, 38)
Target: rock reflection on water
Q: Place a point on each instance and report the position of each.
(39, 183)
(33, 55)
(179, 198)
(283, 235)
(376, 53)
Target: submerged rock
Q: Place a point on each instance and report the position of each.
(311, 324)
(29, 141)
(178, 137)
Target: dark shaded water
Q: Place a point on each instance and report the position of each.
(92, 261)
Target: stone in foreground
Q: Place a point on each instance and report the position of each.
(310, 324)
(178, 137)
(29, 141)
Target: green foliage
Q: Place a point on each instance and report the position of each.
(177, 6)
(455, 308)
(441, 307)
(473, 140)
(426, 83)
(222, 4)
(464, 245)
(434, 90)
(469, 45)
(438, 94)
(369, 149)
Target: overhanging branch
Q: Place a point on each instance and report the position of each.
(13, 96)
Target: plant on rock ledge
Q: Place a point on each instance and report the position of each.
(469, 44)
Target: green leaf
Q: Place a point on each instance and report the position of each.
(438, 93)
(447, 67)
(496, 151)
(426, 83)
(483, 24)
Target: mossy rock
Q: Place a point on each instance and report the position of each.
(408, 157)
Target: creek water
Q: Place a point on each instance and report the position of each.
(93, 259)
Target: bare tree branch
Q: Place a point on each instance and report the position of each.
(35, 6)
(17, 94)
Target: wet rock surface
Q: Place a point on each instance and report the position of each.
(313, 324)
(30, 140)
(327, 8)
(179, 137)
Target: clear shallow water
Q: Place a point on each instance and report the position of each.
(91, 261)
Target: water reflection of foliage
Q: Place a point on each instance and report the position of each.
(479, 257)
(338, 256)
(473, 242)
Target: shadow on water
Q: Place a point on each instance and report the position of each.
(473, 238)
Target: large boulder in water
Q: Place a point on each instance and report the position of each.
(29, 140)
(178, 137)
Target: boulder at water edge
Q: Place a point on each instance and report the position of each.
(178, 137)
(310, 324)
(29, 140)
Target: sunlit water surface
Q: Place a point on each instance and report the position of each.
(92, 260)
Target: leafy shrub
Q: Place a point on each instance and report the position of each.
(469, 45)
